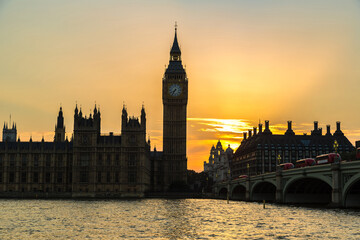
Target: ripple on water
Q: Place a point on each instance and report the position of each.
(171, 219)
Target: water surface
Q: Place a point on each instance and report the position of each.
(171, 219)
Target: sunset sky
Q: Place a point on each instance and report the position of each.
(247, 61)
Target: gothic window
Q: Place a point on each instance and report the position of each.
(99, 161)
(117, 177)
(132, 160)
(59, 160)
(23, 160)
(59, 177)
(117, 160)
(36, 160)
(84, 160)
(11, 177)
(84, 177)
(132, 139)
(99, 177)
(48, 160)
(47, 177)
(36, 177)
(23, 177)
(108, 160)
(132, 177)
(108, 177)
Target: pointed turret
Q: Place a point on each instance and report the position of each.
(60, 128)
(143, 117)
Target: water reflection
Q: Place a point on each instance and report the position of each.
(171, 219)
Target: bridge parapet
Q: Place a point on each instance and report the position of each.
(337, 184)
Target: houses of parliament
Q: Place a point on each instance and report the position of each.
(92, 164)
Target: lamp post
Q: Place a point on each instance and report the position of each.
(228, 187)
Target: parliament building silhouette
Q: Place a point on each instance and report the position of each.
(95, 165)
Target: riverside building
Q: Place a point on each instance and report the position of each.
(261, 151)
(218, 165)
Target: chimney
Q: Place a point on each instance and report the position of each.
(267, 129)
(254, 131)
(338, 126)
(249, 133)
(244, 135)
(266, 125)
(260, 127)
(289, 126)
(289, 131)
(328, 133)
(316, 125)
(320, 131)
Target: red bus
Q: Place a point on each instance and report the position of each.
(328, 158)
(305, 162)
(358, 153)
(286, 166)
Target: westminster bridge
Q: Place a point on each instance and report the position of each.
(336, 184)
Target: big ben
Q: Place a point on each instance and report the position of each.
(175, 97)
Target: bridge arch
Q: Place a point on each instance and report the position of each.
(264, 190)
(223, 193)
(239, 192)
(351, 192)
(308, 189)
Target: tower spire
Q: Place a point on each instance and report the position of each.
(175, 52)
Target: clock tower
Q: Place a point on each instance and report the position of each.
(175, 97)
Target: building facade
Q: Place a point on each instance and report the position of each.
(262, 151)
(218, 165)
(92, 164)
(89, 165)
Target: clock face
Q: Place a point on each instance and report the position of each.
(175, 90)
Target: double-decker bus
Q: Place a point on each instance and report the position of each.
(305, 162)
(328, 158)
(286, 166)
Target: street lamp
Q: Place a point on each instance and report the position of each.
(336, 146)
(279, 159)
(228, 191)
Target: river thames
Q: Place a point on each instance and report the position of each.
(172, 219)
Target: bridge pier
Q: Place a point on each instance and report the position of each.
(247, 193)
(336, 195)
(279, 186)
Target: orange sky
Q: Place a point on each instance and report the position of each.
(245, 60)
